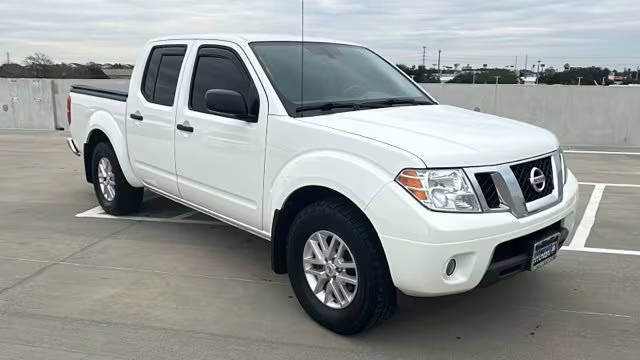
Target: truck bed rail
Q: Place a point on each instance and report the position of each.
(100, 92)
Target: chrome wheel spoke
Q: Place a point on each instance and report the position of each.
(317, 273)
(346, 265)
(322, 240)
(320, 285)
(332, 246)
(348, 279)
(313, 261)
(337, 294)
(317, 252)
(342, 289)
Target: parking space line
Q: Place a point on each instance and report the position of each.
(185, 215)
(588, 219)
(97, 212)
(595, 313)
(601, 152)
(603, 251)
(609, 184)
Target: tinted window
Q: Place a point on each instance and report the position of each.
(161, 75)
(218, 68)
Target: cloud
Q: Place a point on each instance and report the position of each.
(472, 31)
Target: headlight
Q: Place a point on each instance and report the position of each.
(563, 166)
(440, 189)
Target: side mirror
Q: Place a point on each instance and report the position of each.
(227, 102)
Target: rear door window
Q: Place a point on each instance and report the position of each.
(161, 74)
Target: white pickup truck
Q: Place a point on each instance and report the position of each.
(363, 183)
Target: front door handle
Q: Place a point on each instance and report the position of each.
(136, 116)
(186, 128)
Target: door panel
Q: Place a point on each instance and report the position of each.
(151, 117)
(220, 164)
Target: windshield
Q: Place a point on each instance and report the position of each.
(333, 78)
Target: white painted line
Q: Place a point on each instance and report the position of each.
(97, 212)
(608, 184)
(185, 215)
(603, 251)
(601, 152)
(589, 217)
(595, 313)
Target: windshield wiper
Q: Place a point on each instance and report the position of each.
(394, 101)
(327, 106)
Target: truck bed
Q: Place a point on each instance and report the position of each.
(119, 94)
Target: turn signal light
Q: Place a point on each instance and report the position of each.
(411, 181)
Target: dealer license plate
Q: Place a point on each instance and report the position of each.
(544, 251)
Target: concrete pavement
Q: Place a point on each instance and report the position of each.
(99, 288)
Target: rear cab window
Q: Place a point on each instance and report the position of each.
(161, 74)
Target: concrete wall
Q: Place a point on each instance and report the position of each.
(40, 104)
(578, 115)
(26, 104)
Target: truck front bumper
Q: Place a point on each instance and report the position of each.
(419, 243)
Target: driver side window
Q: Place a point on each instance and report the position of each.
(221, 68)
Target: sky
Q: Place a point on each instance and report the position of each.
(587, 32)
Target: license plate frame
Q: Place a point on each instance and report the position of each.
(544, 251)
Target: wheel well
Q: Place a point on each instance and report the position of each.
(282, 219)
(95, 137)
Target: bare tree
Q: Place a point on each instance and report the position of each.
(38, 64)
(38, 59)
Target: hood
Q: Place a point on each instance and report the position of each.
(445, 136)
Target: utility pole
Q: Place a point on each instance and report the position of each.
(538, 72)
(8, 58)
(579, 80)
(526, 60)
(637, 71)
(515, 70)
(497, 77)
(424, 54)
(439, 73)
(474, 76)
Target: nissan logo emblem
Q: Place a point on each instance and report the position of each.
(537, 179)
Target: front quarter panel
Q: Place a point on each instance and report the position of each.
(303, 154)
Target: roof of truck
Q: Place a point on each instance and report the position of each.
(247, 38)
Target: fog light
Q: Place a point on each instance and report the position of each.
(451, 267)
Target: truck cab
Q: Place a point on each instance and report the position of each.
(363, 183)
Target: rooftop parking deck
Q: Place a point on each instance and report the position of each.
(170, 283)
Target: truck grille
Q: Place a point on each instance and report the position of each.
(488, 189)
(522, 173)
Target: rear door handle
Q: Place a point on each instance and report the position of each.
(186, 128)
(136, 116)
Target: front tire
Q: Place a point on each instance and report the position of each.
(337, 268)
(115, 195)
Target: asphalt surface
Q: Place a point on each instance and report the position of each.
(191, 288)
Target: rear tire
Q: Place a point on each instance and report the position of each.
(364, 304)
(115, 195)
